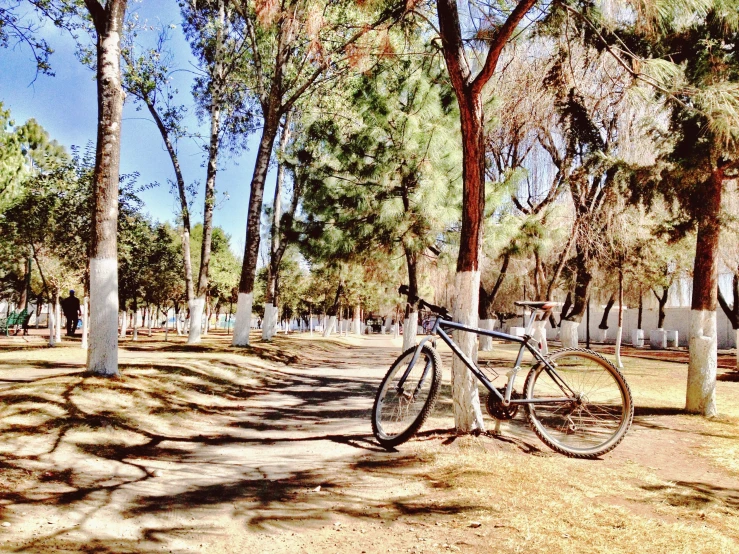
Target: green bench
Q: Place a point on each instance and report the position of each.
(16, 318)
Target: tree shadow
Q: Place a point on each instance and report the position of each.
(729, 376)
(216, 436)
(695, 495)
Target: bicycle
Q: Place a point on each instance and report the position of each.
(576, 401)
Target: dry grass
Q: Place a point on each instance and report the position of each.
(555, 504)
(227, 447)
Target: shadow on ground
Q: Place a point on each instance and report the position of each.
(190, 437)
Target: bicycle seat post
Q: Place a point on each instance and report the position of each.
(532, 318)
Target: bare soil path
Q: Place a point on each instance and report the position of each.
(269, 449)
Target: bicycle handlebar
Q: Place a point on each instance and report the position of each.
(438, 310)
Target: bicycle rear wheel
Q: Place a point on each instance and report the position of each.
(401, 408)
(599, 413)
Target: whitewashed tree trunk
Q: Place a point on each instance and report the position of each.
(486, 343)
(620, 328)
(102, 356)
(267, 323)
(52, 325)
(58, 317)
(385, 325)
(568, 333)
(701, 392)
(196, 320)
(330, 326)
(166, 325)
(206, 323)
(357, 320)
(124, 324)
(85, 325)
(466, 400)
(539, 334)
(150, 320)
(242, 321)
(242, 325)
(135, 322)
(619, 333)
(275, 320)
(410, 331)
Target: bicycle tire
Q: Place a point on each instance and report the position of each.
(594, 423)
(387, 411)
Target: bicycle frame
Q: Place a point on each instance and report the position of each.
(439, 330)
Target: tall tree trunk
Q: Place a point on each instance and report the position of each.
(641, 309)
(619, 331)
(251, 249)
(182, 194)
(732, 312)
(468, 90)
(270, 295)
(466, 402)
(135, 321)
(198, 303)
(662, 301)
(538, 277)
(561, 263)
(486, 308)
(487, 318)
(609, 305)
(51, 321)
(410, 322)
(85, 322)
(25, 293)
(102, 356)
(571, 322)
(57, 318)
(701, 390)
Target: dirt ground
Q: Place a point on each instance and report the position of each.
(269, 449)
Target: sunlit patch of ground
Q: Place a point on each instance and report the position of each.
(269, 449)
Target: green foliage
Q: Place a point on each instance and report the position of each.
(386, 171)
(224, 268)
(12, 161)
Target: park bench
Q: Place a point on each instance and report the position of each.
(16, 318)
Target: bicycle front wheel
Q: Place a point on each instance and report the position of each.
(402, 405)
(593, 407)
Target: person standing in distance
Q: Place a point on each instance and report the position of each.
(72, 311)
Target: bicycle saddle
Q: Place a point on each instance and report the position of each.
(545, 305)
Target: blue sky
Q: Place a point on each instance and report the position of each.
(66, 106)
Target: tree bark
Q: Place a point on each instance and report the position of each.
(251, 249)
(102, 356)
(701, 390)
(662, 301)
(582, 287)
(26, 284)
(276, 248)
(198, 303)
(619, 331)
(468, 90)
(182, 193)
(609, 305)
(487, 301)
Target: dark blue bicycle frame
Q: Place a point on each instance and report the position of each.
(439, 329)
